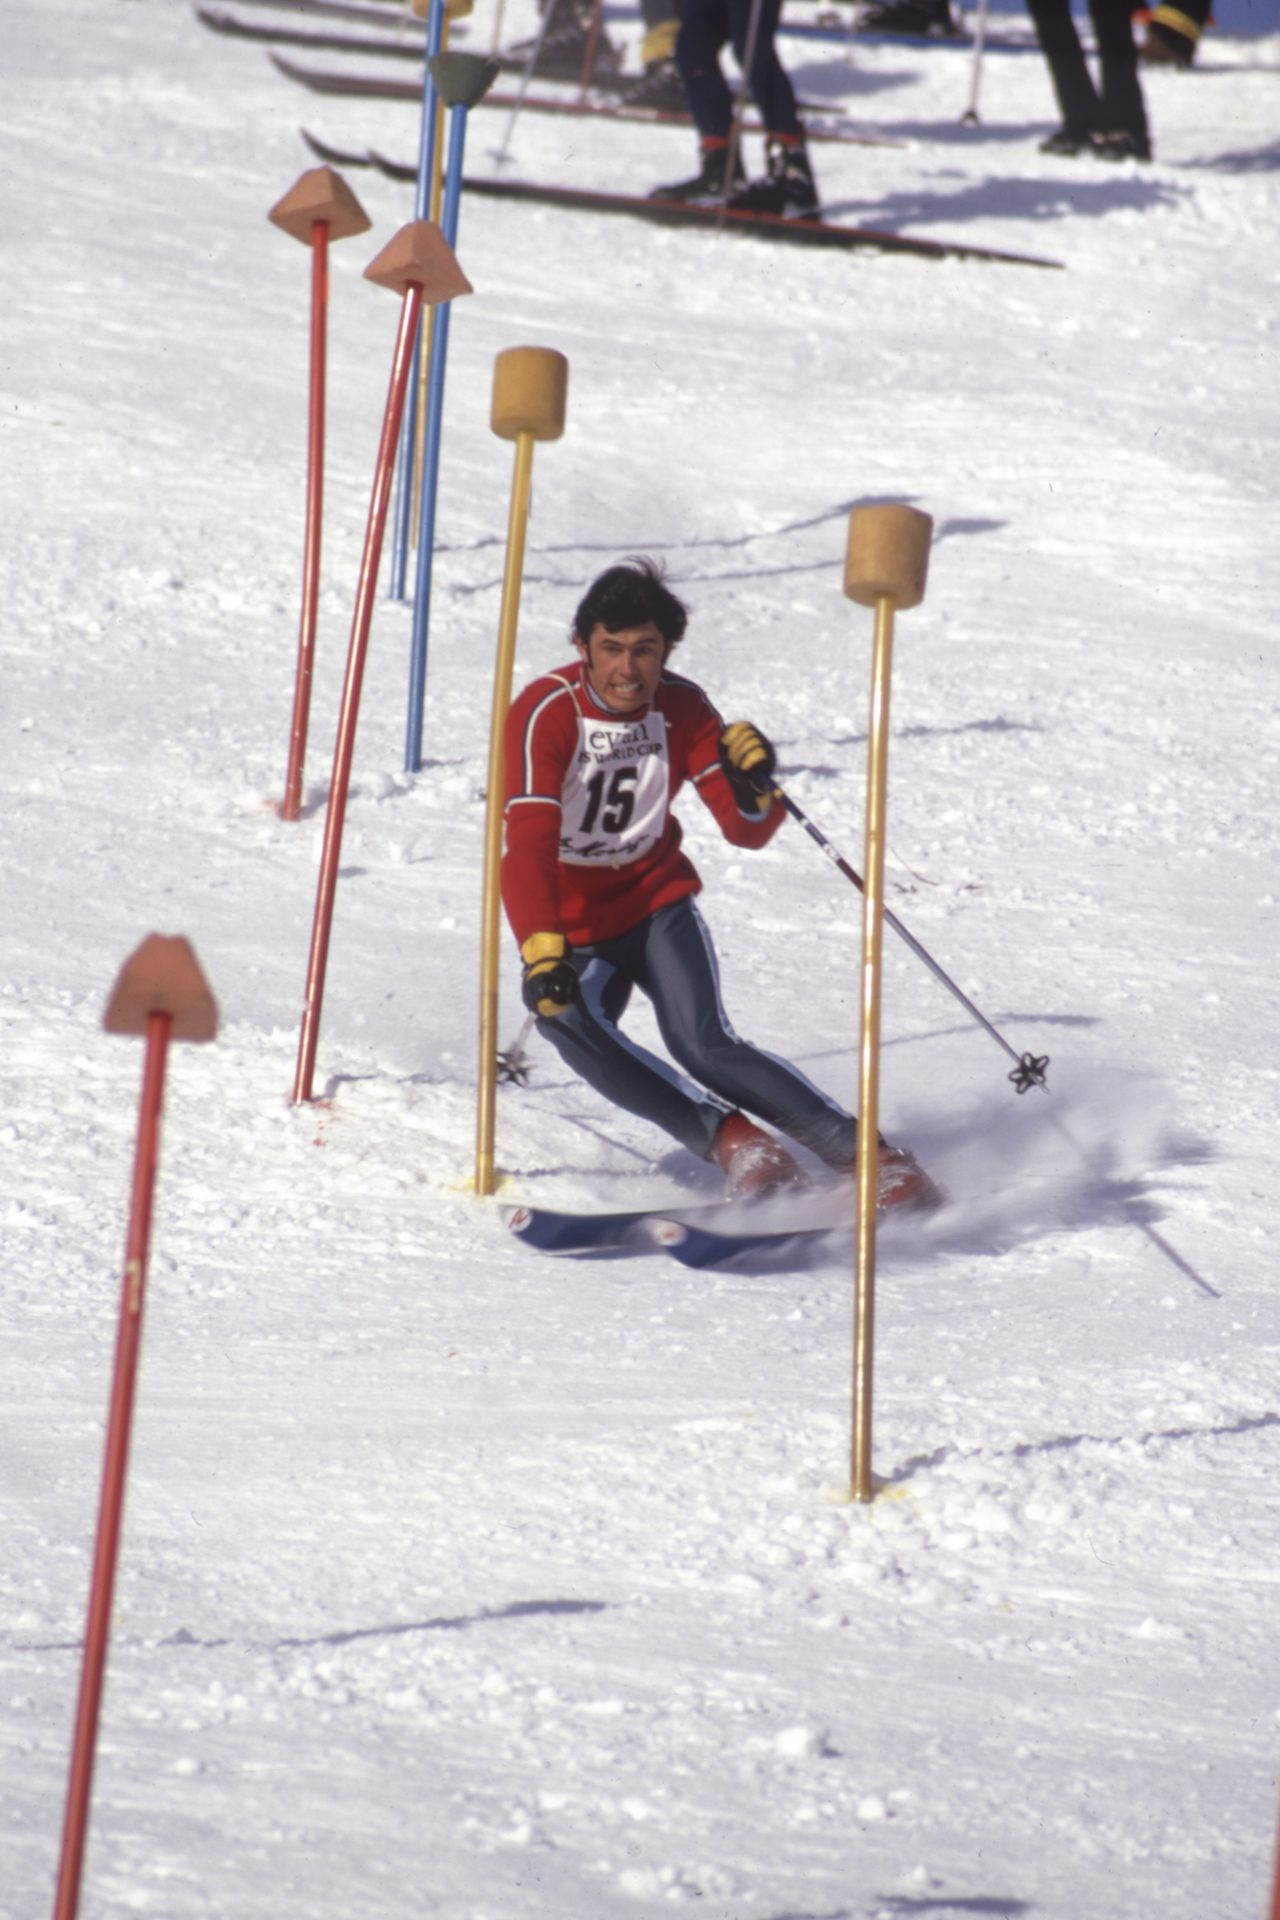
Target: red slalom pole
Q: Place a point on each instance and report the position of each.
(161, 992)
(420, 264)
(318, 208)
(1275, 1891)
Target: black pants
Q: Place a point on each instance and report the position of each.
(1117, 105)
(706, 26)
(671, 959)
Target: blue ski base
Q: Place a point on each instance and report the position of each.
(713, 1235)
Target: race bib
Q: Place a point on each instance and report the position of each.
(613, 805)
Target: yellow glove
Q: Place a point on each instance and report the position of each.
(550, 983)
(749, 763)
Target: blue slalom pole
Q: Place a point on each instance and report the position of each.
(431, 456)
(461, 79)
(422, 206)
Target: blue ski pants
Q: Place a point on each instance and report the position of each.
(706, 26)
(671, 959)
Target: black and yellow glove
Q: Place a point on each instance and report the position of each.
(550, 983)
(749, 763)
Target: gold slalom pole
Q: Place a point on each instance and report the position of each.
(886, 564)
(530, 385)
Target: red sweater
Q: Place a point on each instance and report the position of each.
(592, 847)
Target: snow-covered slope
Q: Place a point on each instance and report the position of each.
(458, 1582)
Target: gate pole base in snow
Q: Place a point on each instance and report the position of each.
(530, 385)
(319, 207)
(886, 564)
(161, 994)
(419, 264)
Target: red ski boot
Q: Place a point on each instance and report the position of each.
(902, 1182)
(751, 1160)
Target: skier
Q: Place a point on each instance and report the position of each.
(1107, 120)
(707, 26)
(914, 19)
(600, 896)
(1173, 34)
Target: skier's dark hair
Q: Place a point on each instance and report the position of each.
(630, 595)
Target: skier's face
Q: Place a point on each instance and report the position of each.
(623, 668)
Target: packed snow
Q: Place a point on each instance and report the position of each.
(464, 1582)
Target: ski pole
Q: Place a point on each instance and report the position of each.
(589, 52)
(740, 104)
(530, 68)
(969, 118)
(1030, 1068)
(513, 1065)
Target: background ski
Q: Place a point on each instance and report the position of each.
(321, 42)
(764, 226)
(383, 16)
(389, 17)
(376, 86)
(405, 170)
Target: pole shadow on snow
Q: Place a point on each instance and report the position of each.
(1019, 199)
(1069, 1442)
(836, 80)
(1248, 160)
(446, 1623)
(840, 510)
(997, 724)
(994, 1904)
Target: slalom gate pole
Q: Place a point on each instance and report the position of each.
(1275, 1890)
(318, 208)
(162, 995)
(453, 9)
(886, 565)
(428, 128)
(1029, 1068)
(530, 386)
(461, 80)
(589, 52)
(969, 118)
(419, 264)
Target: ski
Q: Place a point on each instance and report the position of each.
(551, 1230)
(377, 86)
(718, 1233)
(320, 42)
(707, 1247)
(406, 170)
(391, 17)
(693, 1236)
(386, 16)
(763, 226)
(766, 226)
